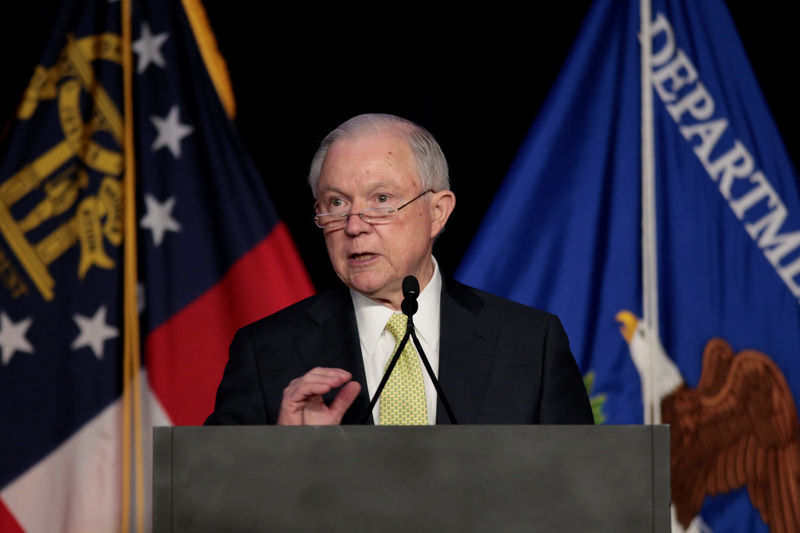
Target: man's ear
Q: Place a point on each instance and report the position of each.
(442, 204)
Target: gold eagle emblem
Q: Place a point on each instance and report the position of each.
(737, 428)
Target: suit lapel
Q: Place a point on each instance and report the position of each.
(332, 342)
(466, 352)
(466, 349)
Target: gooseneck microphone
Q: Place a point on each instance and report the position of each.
(409, 306)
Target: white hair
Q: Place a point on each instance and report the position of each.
(431, 163)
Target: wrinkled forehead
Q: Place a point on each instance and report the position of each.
(369, 159)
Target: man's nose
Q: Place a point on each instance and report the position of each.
(356, 225)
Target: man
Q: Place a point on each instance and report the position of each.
(382, 197)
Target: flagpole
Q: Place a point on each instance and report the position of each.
(209, 51)
(652, 412)
(132, 410)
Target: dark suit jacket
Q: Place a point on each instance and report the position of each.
(499, 362)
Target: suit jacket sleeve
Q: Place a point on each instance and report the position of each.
(501, 362)
(240, 399)
(564, 399)
(266, 355)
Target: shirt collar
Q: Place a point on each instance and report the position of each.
(371, 316)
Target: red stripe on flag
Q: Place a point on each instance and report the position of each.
(187, 354)
(8, 524)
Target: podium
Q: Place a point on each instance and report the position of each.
(411, 479)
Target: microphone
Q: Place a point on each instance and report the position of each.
(409, 306)
(410, 294)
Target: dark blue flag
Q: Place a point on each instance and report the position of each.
(211, 257)
(565, 233)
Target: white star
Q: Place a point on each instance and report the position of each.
(149, 49)
(170, 132)
(12, 336)
(94, 331)
(158, 218)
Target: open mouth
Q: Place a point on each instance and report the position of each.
(361, 257)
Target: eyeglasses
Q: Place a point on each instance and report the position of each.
(373, 215)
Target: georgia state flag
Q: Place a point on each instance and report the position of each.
(211, 256)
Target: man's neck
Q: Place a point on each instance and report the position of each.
(395, 300)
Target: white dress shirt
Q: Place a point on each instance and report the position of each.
(377, 344)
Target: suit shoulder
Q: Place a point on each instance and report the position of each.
(487, 305)
(315, 308)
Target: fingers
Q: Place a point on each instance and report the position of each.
(304, 394)
(344, 399)
(315, 382)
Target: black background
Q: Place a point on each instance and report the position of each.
(475, 77)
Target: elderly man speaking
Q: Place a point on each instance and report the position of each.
(382, 197)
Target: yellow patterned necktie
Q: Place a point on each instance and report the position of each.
(403, 397)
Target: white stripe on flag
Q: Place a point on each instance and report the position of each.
(77, 487)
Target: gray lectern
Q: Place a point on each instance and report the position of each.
(410, 479)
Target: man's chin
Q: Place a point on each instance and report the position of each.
(376, 288)
(373, 290)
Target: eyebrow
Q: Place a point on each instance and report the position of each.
(329, 189)
(375, 186)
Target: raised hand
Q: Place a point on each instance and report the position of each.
(302, 403)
